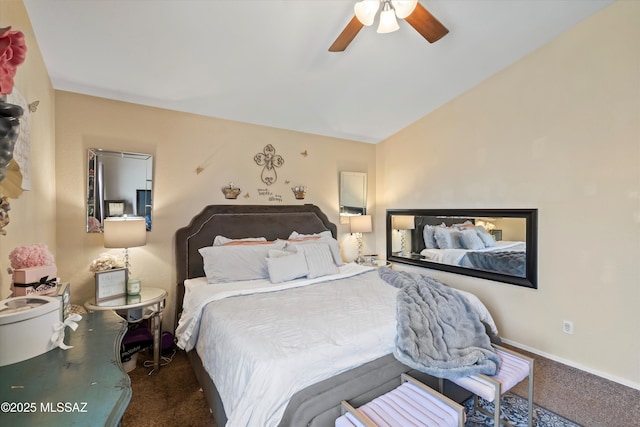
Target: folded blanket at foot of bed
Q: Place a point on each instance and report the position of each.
(438, 332)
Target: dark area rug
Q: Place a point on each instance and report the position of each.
(514, 409)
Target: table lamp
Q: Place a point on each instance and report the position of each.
(360, 224)
(125, 232)
(403, 223)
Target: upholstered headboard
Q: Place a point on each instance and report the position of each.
(236, 221)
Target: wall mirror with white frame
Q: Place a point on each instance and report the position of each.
(118, 184)
(353, 193)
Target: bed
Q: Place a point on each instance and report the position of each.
(461, 243)
(259, 385)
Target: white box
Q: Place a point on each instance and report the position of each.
(26, 327)
(34, 274)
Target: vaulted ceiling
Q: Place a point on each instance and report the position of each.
(267, 62)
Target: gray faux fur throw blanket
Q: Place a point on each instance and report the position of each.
(438, 332)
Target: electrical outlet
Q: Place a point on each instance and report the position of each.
(567, 327)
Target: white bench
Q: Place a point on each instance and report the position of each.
(412, 403)
(514, 368)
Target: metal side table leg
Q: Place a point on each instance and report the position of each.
(156, 330)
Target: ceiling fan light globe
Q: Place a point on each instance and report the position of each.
(404, 8)
(388, 22)
(366, 10)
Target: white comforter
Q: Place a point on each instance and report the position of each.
(265, 346)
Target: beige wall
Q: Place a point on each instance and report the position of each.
(33, 214)
(181, 143)
(559, 131)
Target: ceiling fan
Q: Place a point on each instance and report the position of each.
(409, 10)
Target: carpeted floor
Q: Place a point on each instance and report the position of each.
(173, 397)
(170, 397)
(585, 398)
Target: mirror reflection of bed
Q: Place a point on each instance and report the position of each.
(472, 243)
(274, 350)
(495, 244)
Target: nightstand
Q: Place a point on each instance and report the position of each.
(382, 263)
(377, 263)
(150, 302)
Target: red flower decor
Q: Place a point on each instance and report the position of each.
(13, 50)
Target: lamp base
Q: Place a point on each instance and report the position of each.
(359, 259)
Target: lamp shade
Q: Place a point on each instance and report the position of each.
(404, 8)
(403, 222)
(388, 22)
(125, 232)
(361, 224)
(366, 10)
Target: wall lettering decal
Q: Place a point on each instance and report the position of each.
(265, 192)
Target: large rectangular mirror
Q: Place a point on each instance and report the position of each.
(353, 193)
(494, 244)
(118, 184)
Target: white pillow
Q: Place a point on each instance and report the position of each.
(221, 240)
(319, 260)
(278, 253)
(443, 238)
(471, 240)
(285, 266)
(429, 237)
(485, 236)
(233, 263)
(330, 242)
(456, 239)
(296, 235)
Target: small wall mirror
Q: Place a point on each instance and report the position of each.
(353, 193)
(118, 184)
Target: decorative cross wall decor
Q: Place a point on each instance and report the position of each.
(270, 160)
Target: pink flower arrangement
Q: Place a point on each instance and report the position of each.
(35, 255)
(13, 51)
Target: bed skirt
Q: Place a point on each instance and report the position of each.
(319, 405)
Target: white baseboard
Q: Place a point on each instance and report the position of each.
(572, 364)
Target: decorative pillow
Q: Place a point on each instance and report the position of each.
(278, 253)
(443, 238)
(221, 240)
(234, 263)
(319, 259)
(485, 236)
(470, 239)
(284, 265)
(247, 243)
(300, 239)
(330, 242)
(297, 236)
(466, 224)
(429, 237)
(456, 239)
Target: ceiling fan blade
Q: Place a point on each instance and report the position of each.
(426, 24)
(347, 35)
